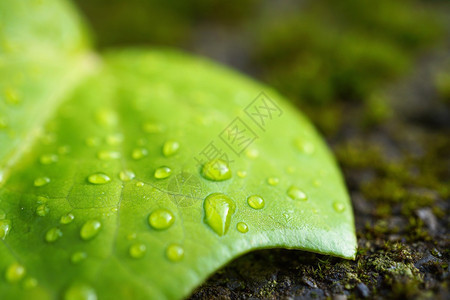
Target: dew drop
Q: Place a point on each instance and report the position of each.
(92, 141)
(30, 283)
(216, 170)
(139, 153)
(273, 181)
(106, 118)
(47, 159)
(15, 272)
(78, 257)
(338, 206)
(255, 201)
(290, 170)
(140, 184)
(53, 234)
(126, 175)
(90, 229)
(114, 139)
(152, 127)
(241, 174)
(170, 148)
(162, 172)
(174, 252)
(5, 227)
(304, 146)
(252, 153)
(296, 194)
(79, 291)
(99, 178)
(242, 227)
(62, 150)
(67, 218)
(317, 183)
(137, 250)
(42, 210)
(108, 155)
(131, 236)
(161, 219)
(41, 181)
(218, 211)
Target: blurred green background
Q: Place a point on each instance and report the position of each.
(318, 53)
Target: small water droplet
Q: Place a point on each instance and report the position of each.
(317, 183)
(80, 291)
(53, 234)
(62, 150)
(170, 148)
(218, 211)
(290, 170)
(108, 155)
(78, 257)
(252, 153)
(41, 181)
(140, 184)
(161, 219)
(338, 206)
(30, 283)
(152, 127)
(42, 210)
(216, 170)
(90, 229)
(137, 250)
(5, 227)
(296, 194)
(241, 174)
(131, 236)
(126, 175)
(67, 218)
(99, 178)
(162, 172)
(47, 159)
(304, 146)
(242, 227)
(15, 272)
(174, 252)
(139, 153)
(255, 201)
(114, 139)
(273, 181)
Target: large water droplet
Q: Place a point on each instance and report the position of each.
(41, 181)
(5, 227)
(242, 227)
(255, 201)
(126, 175)
(99, 178)
(296, 194)
(15, 272)
(42, 210)
(174, 252)
(338, 206)
(53, 234)
(161, 219)
(47, 159)
(170, 148)
(218, 211)
(137, 250)
(79, 291)
(162, 172)
(67, 218)
(108, 155)
(273, 181)
(78, 257)
(90, 229)
(139, 153)
(216, 170)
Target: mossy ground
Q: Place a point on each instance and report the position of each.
(342, 62)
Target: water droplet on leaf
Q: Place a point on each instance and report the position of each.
(67, 218)
(273, 181)
(255, 201)
(15, 272)
(53, 234)
(170, 148)
(47, 159)
(137, 250)
(161, 219)
(241, 174)
(174, 252)
(216, 170)
(108, 155)
(5, 227)
(78, 257)
(296, 194)
(162, 172)
(218, 211)
(42, 210)
(126, 175)
(80, 291)
(338, 206)
(139, 153)
(90, 229)
(30, 283)
(99, 178)
(242, 227)
(41, 181)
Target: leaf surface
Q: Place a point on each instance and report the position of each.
(138, 174)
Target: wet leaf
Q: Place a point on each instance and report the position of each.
(138, 174)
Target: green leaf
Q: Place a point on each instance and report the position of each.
(107, 191)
